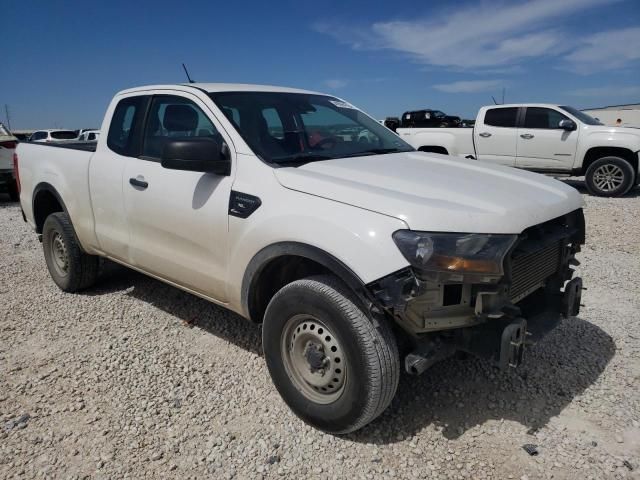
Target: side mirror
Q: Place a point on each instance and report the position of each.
(568, 125)
(197, 154)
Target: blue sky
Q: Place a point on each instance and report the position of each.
(63, 61)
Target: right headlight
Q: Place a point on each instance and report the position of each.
(472, 253)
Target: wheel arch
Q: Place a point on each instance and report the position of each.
(45, 201)
(434, 149)
(284, 262)
(594, 153)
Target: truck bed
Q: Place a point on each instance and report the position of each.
(84, 146)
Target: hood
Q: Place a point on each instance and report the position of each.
(437, 192)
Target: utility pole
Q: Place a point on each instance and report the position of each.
(6, 112)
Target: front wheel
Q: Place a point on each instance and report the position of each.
(609, 177)
(334, 368)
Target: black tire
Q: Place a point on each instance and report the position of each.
(14, 196)
(596, 177)
(70, 268)
(370, 363)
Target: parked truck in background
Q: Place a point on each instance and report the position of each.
(8, 145)
(299, 211)
(552, 139)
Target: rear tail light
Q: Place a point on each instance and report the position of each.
(10, 145)
(16, 172)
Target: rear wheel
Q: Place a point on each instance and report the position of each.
(70, 268)
(609, 177)
(334, 368)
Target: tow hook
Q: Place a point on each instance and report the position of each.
(572, 297)
(512, 343)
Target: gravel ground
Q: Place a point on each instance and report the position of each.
(137, 379)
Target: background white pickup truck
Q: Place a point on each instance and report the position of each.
(551, 139)
(297, 210)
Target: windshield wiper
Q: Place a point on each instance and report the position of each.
(374, 151)
(301, 158)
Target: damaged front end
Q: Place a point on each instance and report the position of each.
(487, 295)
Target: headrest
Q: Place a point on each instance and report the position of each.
(180, 118)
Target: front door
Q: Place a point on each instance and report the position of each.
(542, 144)
(177, 219)
(495, 136)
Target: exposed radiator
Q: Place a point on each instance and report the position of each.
(529, 271)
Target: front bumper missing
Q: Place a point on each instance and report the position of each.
(502, 341)
(494, 318)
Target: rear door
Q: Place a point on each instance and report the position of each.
(495, 135)
(106, 170)
(178, 220)
(542, 144)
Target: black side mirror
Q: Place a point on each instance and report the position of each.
(568, 125)
(197, 154)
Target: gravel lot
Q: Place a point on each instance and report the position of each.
(137, 379)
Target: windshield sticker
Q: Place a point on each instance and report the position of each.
(341, 104)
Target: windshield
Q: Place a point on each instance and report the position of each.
(438, 114)
(583, 117)
(64, 135)
(297, 127)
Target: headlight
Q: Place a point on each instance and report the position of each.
(454, 252)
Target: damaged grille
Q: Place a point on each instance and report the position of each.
(530, 270)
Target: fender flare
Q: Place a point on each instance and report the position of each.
(261, 259)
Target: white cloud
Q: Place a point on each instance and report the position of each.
(469, 86)
(611, 91)
(605, 51)
(492, 34)
(336, 83)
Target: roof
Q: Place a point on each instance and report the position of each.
(629, 106)
(221, 87)
(525, 105)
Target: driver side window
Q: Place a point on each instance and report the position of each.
(542, 118)
(173, 117)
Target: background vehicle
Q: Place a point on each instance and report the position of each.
(392, 123)
(266, 201)
(428, 118)
(8, 145)
(53, 135)
(550, 139)
(89, 136)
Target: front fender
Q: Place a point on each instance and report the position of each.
(351, 241)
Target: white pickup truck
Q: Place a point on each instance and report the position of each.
(353, 254)
(552, 139)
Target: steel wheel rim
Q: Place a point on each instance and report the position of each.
(59, 254)
(608, 177)
(313, 359)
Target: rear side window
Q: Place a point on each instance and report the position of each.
(537, 117)
(64, 135)
(501, 117)
(126, 116)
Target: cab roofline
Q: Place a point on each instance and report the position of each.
(218, 87)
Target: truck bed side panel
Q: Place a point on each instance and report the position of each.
(457, 141)
(66, 170)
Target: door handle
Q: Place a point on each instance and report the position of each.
(485, 134)
(138, 182)
(526, 136)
